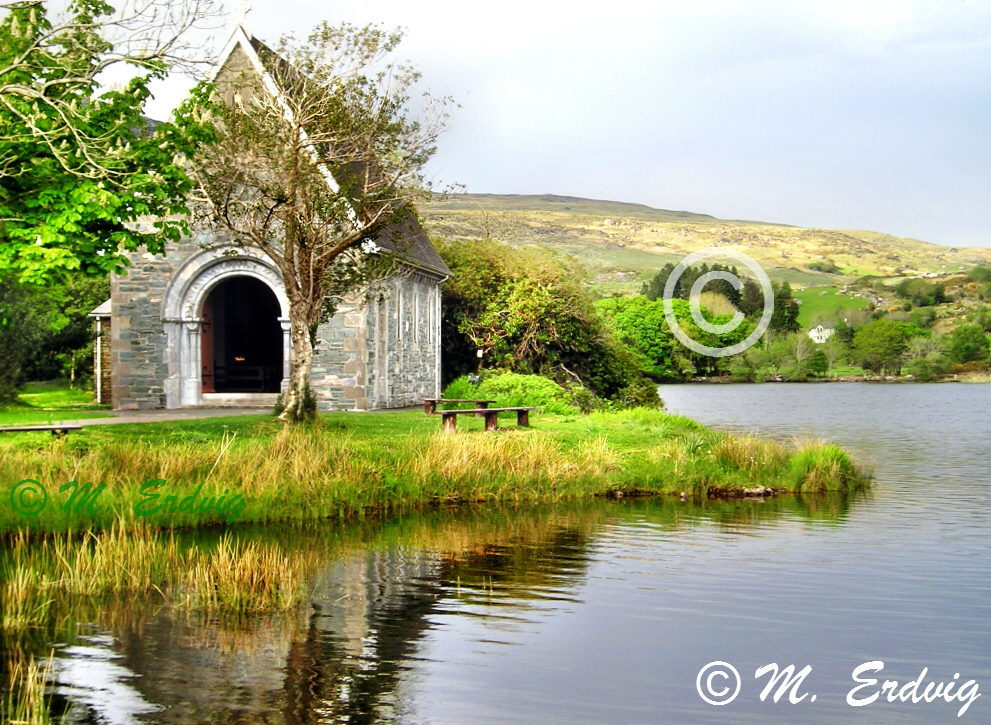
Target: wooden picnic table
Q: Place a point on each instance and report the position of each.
(450, 417)
(57, 430)
(430, 404)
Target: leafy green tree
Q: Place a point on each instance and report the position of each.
(529, 312)
(921, 293)
(62, 342)
(654, 290)
(835, 350)
(16, 314)
(785, 317)
(640, 323)
(880, 345)
(751, 298)
(818, 363)
(925, 358)
(80, 168)
(969, 343)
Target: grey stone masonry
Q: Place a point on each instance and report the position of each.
(383, 352)
(138, 341)
(378, 352)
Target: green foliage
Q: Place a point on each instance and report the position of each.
(47, 333)
(79, 170)
(980, 274)
(828, 266)
(15, 311)
(511, 390)
(654, 290)
(921, 293)
(880, 344)
(786, 309)
(818, 364)
(983, 318)
(969, 343)
(641, 324)
(925, 358)
(752, 298)
(529, 311)
(923, 317)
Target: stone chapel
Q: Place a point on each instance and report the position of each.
(210, 326)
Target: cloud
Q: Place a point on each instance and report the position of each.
(869, 114)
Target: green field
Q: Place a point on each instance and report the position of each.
(815, 303)
(48, 402)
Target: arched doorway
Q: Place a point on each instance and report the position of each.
(242, 338)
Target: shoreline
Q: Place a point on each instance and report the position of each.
(723, 380)
(352, 466)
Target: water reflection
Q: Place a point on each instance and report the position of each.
(356, 651)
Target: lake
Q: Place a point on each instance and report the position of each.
(606, 611)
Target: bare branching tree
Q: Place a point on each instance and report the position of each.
(318, 161)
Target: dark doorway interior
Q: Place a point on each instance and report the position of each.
(242, 338)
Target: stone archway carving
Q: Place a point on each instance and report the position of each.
(182, 307)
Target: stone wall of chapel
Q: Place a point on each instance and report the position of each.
(378, 353)
(138, 342)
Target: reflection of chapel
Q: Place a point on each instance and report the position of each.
(208, 324)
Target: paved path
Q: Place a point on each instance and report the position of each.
(159, 416)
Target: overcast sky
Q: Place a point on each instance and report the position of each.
(863, 114)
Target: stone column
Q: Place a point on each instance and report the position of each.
(286, 352)
(190, 363)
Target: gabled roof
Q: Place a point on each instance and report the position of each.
(103, 310)
(405, 237)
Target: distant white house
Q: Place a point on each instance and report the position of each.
(820, 334)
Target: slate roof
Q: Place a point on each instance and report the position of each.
(405, 237)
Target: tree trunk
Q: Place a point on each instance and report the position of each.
(300, 367)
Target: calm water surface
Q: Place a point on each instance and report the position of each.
(605, 612)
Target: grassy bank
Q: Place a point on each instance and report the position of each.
(350, 464)
(47, 402)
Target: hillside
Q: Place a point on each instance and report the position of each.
(625, 244)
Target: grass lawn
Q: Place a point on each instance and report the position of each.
(51, 401)
(847, 371)
(352, 463)
(815, 303)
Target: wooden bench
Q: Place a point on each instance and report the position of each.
(57, 430)
(450, 417)
(430, 404)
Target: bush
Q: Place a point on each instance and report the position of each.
(980, 274)
(969, 343)
(511, 390)
(828, 266)
(530, 312)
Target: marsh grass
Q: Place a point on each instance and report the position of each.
(27, 703)
(41, 579)
(351, 464)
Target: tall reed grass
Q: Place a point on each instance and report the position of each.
(234, 577)
(27, 703)
(306, 473)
